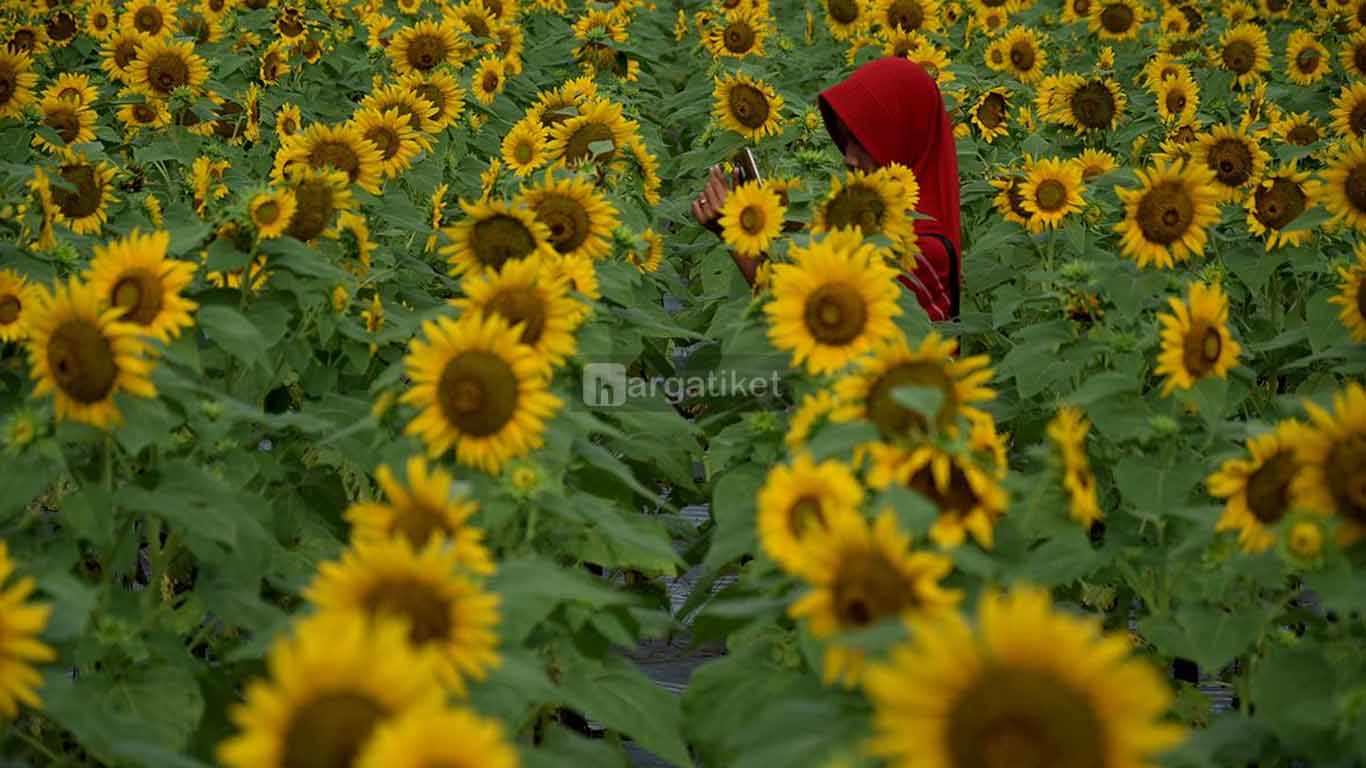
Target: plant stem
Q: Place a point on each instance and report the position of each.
(37, 746)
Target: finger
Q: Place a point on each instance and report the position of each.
(697, 212)
(716, 193)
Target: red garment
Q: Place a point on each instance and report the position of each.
(894, 109)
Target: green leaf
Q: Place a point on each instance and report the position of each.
(71, 600)
(839, 440)
(1293, 691)
(1208, 635)
(925, 401)
(532, 588)
(617, 694)
(230, 330)
(560, 749)
(159, 703)
(732, 506)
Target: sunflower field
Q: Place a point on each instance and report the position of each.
(369, 396)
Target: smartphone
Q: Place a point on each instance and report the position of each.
(747, 167)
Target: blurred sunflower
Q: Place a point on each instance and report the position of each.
(82, 201)
(1233, 157)
(991, 21)
(968, 500)
(580, 219)
(799, 503)
(538, 306)
(271, 212)
(1277, 201)
(438, 89)
(26, 37)
(1068, 431)
(274, 63)
(420, 112)
(1351, 296)
(1163, 66)
(1196, 343)
(1257, 488)
(739, 33)
(649, 258)
(862, 575)
(873, 203)
(339, 147)
(581, 138)
(900, 42)
(1178, 97)
(163, 65)
(1300, 129)
(82, 354)
(908, 15)
(1095, 163)
(1028, 684)
(749, 107)
(389, 132)
(751, 218)
(524, 147)
(475, 18)
(16, 299)
(1117, 19)
(99, 19)
(934, 61)
(1051, 190)
(846, 18)
(132, 274)
(467, 739)
(444, 611)
(319, 195)
(1344, 185)
(21, 624)
(479, 390)
(425, 45)
(488, 79)
(493, 233)
(332, 681)
(1020, 53)
(150, 17)
(582, 276)
(511, 42)
(72, 123)
(1332, 453)
(1306, 59)
(835, 302)
(1244, 51)
(991, 114)
(1174, 23)
(1349, 111)
(1167, 219)
(1009, 201)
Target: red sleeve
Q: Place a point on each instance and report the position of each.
(929, 278)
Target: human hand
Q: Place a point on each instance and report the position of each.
(707, 207)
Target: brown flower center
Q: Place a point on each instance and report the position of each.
(9, 82)
(1201, 348)
(85, 195)
(290, 25)
(1231, 160)
(804, 515)
(431, 93)
(1361, 300)
(1023, 718)
(1268, 488)
(957, 501)
(65, 120)
(148, 20)
(477, 393)
(738, 37)
(331, 730)
(752, 220)
(314, 210)
(1176, 102)
(1050, 195)
(337, 154)
(23, 40)
(857, 205)
(82, 362)
(1355, 187)
(1166, 212)
(385, 139)
(425, 51)
(490, 82)
(1278, 205)
(1093, 106)
(478, 27)
(10, 307)
(1239, 57)
(500, 238)
(905, 14)
(868, 588)
(428, 614)
(835, 314)
(1022, 56)
(1193, 17)
(1345, 471)
(991, 113)
(1356, 119)
(567, 220)
(124, 53)
(1307, 60)
(894, 420)
(61, 27)
(521, 305)
(266, 213)
(167, 72)
(1117, 18)
(843, 11)
(140, 294)
(748, 105)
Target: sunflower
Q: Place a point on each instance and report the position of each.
(1306, 59)
(846, 18)
(274, 62)
(83, 354)
(271, 212)
(873, 203)
(580, 219)
(1349, 111)
(493, 233)
(1068, 431)
(133, 274)
(1276, 201)
(1245, 52)
(1083, 104)
(992, 21)
(1178, 97)
(72, 123)
(488, 79)
(868, 393)
(340, 147)
(991, 114)
(150, 17)
(17, 81)
(751, 218)
(201, 28)
(163, 65)
(1094, 163)
(332, 681)
(524, 147)
(741, 33)
(16, 297)
(908, 15)
(467, 739)
(1233, 157)
(438, 89)
(1167, 219)
(319, 195)
(511, 42)
(21, 623)
(580, 273)
(648, 258)
(1258, 488)
(934, 61)
(75, 88)
(1332, 453)
(540, 308)
(99, 19)
(1174, 23)
(479, 389)
(749, 107)
(82, 201)
(1351, 296)
(1051, 190)
(1030, 685)
(419, 112)
(389, 132)
(1344, 185)
(426, 45)
(1196, 343)
(1009, 201)
(834, 303)
(429, 509)
(1117, 19)
(597, 134)
(799, 503)
(1019, 52)
(969, 501)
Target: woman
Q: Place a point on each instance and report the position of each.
(890, 111)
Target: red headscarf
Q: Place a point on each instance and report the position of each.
(893, 108)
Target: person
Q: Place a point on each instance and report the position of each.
(890, 111)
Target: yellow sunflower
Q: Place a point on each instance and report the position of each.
(1344, 185)
(341, 147)
(740, 33)
(1009, 202)
(1351, 296)
(1349, 111)
(814, 408)
(1352, 55)
(598, 134)
(72, 123)
(1300, 129)
(332, 682)
(99, 19)
(1178, 97)
(969, 501)
(520, 293)
(440, 90)
(1051, 190)
(132, 274)
(488, 79)
(873, 203)
(163, 65)
(751, 218)
(480, 390)
(908, 15)
(799, 503)
(274, 62)
(1068, 431)
(1306, 59)
(319, 196)
(1167, 219)
(21, 623)
(1020, 53)
(1083, 104)
(862, 575)
(82, 202)
(466, 739)
(1233, 157)
(1196, 343)
(846, 18)
(150, 17)
(835, 302)
(493, 233)
(443, 610)
(426, 45)
(429, 508)
(1257, 488)
(17, 80)
(749, 107)
(579, 218)
(991, 114)
(1029, 685)
(82, 354)
(1095, 163)
(524, 147)
(17, 296)
(649, 258)
(1277, 201)
(271, 212)
(389, 132)
(581, 274)
(1244, 51)
(1332, 452)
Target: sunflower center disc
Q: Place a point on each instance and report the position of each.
(1082, 7)
(290, 26)
(567, 220)
(1357, 119)
(521, 305)
(738, 37)
(1302, 135)
(523, 153)
(337, 154)
(842, 11)
(1361, 298)
(499, 238)
(1093, 106)
(1239, 56)
(1023, 718)
(749, 106)
(891, 418)
(1165, 213)
(992, 112)
(432, 94)
(1117, 18)
(85, 198)
(9, 79)
(906, 15)
(197, 27)
(857, 205)
(1050, 195)
(1307, 61)
(61, 27)
(751, 220)
(1359, 58)
(428, 614)
(1176, 102)
(1346, 474)
(267, 213)
(23, 41)
(804, 515)
(385, 140)
(490, 82)
(1022, 56)
(167, 72)
(477, 393)
(82, 361)
(1016, 200)
(10, 307)
(313, 212)
(417, 524)
(1200, 349)
(64, 121)
(1231, 161)
(330, 731)
(957, 501)
(425, 52)
(867, 589)
(1268, 489)
(1280, 204)
(835, 314)
(140, 293)
(148, 20)
(1355, 187)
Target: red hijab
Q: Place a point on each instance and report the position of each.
(893, 108)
